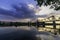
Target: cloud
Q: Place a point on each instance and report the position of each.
(6, 18)
(23, 11)
(19, 11)
(45, 10)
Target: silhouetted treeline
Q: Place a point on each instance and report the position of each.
(13, 24)
(37, 24)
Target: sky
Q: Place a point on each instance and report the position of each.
(16, 10)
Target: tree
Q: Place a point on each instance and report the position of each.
(53, 3)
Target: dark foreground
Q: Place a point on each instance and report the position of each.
(12, 33)
(17, 33)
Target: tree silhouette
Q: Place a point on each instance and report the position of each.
(53, 3)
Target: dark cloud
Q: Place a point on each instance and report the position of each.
(22, 10)
(19, 11)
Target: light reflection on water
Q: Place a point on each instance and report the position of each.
(42, 35)
(45, 37)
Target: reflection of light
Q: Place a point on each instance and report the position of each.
(49, 26)
(49, 22)
(58, 26)
(58, 22)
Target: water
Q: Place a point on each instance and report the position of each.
(25, 33)
(17, 33)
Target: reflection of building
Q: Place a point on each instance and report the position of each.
(52, 22)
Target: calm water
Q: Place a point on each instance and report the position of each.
(25, 33)
(17, 33)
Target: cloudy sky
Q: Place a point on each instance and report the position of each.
(16, 9)
(21, 9)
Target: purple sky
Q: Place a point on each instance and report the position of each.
(12, 9)
(8, 3)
